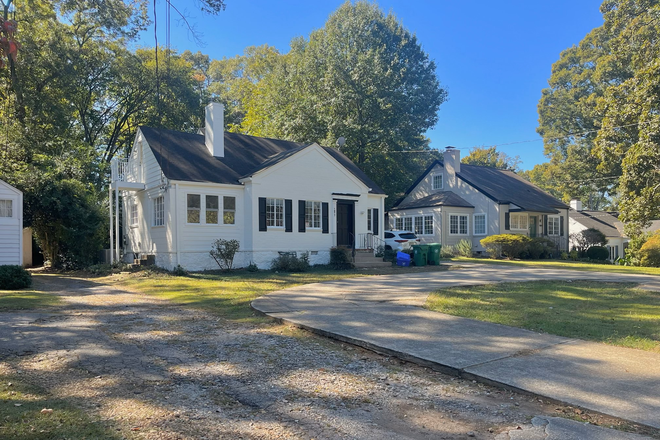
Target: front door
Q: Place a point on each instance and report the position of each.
(345, 223)
(533, 224)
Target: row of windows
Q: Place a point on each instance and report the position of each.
(6, 208)
(275, 213)
(519, 221)
(211, 209)
(458, 224)
(420, 225)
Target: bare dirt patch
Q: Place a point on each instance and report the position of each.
(153, 370)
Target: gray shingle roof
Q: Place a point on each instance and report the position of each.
(503, 187)
(443, 198)
(604, 221)
(184, 156)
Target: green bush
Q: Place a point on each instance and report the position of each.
(508, 245)
(598, 253)
(105, 269)
(586, 239)
(223, 252)
(14, 277)
(650, 252)
(340, 258)
(179, 271)
(289, 262)
(573, 255)
(389, 255)
(447, 251)
(252, 267)
(464, 248)
(540, 247)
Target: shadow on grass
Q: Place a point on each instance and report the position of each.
(614, 313)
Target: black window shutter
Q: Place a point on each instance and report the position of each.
(324, 217)
(374, 219)
(507, 219)
(561, 226)
(288, 215)
(301, 216)
(262, 214)
(545, 225)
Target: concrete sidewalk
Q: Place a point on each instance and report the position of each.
(382, 313)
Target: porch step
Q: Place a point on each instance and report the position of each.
(367, 259)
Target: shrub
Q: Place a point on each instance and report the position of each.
(389, 255)
(598, 253)
(649, 254)
(340, 258)
(14, 277)
(573, 255)
(586, 239)
(223, 252)
(540, 247)
(448, 251)
(464, 248)
(509, 245)
(564, 256)
(289, 262)
(106, 269)
(252, 267)
(179, 271)
(633, 253)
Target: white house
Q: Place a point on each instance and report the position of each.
(11, 225)
(182, 191)
(452, 201)
(606, 222)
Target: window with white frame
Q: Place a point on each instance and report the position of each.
(479, 221)
(368, 219)
(553, 225)
(428, 225)
(6, 208)
(407, 223)
(398, 223)
(194, 208)
(518, 221)
(211, 210)
(312, 214)
(133, 217)
(275, 213)
(437, 181)
(229, 210)
(458, 224)
(159, 211)
(419, 225)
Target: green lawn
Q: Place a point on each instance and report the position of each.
(226, 294)
(26, 299)
(614, 313)
(559, 264)
(21, 405)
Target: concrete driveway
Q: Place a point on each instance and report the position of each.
(382, 313)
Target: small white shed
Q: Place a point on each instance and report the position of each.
(11, 225)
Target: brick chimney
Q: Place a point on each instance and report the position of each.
(214, 129)
(452, 161)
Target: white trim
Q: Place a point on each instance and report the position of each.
(433, 176)
(521, 215)
(467, 229)
(474, 223)
(558, 231)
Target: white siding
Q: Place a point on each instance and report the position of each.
(437, 214)
(11, 229)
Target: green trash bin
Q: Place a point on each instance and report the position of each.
(434, 254)
(420, 254)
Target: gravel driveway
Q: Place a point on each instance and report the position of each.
(155, 370)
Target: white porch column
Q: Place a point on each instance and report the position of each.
(111, 225)
(117, 222)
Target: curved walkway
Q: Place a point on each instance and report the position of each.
(383, 313)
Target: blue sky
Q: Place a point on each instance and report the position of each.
(494, 58)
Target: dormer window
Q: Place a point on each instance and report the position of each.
(437, 181)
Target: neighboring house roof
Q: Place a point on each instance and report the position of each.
(503, 186)
(654, 226)
(604, 221)
(184, 156)
(444, 198)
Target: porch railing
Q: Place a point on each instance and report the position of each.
(119, 169)
(370, 242)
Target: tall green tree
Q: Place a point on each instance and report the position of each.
(490, 157)
(363, 77)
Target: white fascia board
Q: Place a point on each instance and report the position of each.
(13, 189)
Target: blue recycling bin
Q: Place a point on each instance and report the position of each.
(402, 259)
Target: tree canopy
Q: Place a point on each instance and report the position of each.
(490, 157)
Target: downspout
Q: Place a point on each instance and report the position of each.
(176, 224)
(112, 244)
